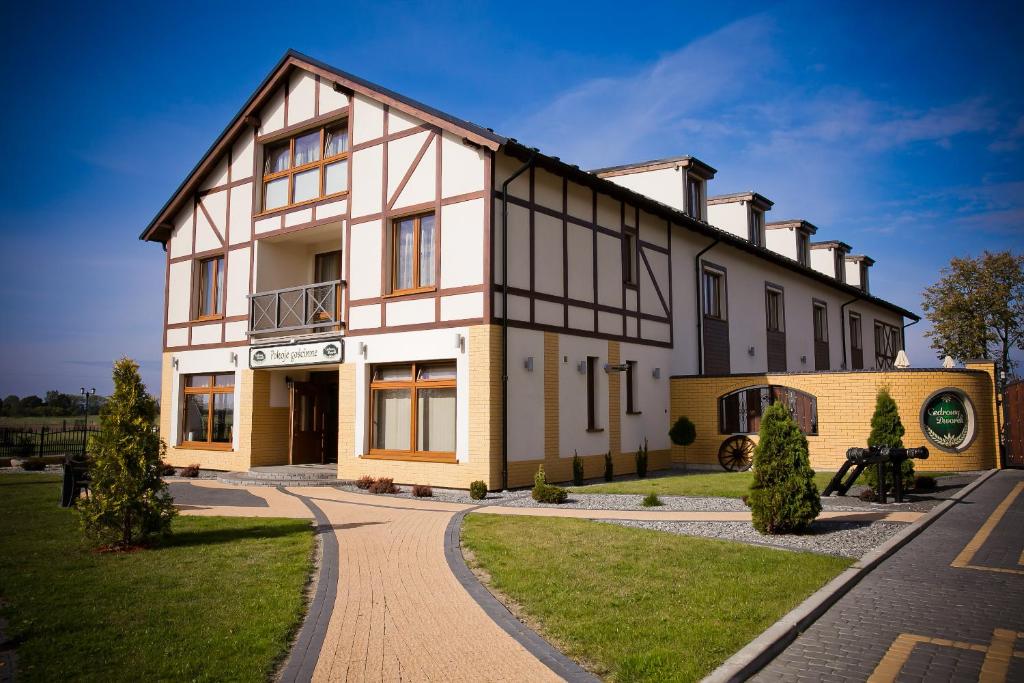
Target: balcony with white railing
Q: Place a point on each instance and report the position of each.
(307, 308)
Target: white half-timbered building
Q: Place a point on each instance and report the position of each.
(351, 275)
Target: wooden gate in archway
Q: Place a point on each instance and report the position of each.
(1013, 430)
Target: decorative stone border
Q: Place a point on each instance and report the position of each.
(305, 650)
(525, 636)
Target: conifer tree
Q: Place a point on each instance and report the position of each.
(783, 497)
(128, 502)
(887, 430)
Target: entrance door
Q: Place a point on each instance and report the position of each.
(314, 423)
(1013, 430)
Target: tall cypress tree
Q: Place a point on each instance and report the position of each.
(887, 430)
(129, 502)
(783, 498)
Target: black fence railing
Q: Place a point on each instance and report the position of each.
(22, 442)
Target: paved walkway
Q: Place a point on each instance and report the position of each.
(947, 606)
(397, 611)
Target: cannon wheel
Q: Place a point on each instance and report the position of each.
(736, 454)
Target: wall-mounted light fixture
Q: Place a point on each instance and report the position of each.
(361, 349)
(233, 358)
(174, 362)
(458, 341)
(581, 367)
(621, 367)
(750, 350)
(803, 359)
(528, 363)
(656, 373)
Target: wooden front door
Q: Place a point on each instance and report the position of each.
(307, 424)
(1013, 430)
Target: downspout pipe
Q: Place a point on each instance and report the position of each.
(700, 305)
(504, 314)
(842, 329)
(903, 333)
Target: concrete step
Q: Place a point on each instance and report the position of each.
(293, 472)
(245, 479)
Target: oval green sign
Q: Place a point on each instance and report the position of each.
(947, 421)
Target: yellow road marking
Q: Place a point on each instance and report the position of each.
(994, 668)
(963, 560)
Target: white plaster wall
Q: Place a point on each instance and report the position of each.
(365, 260)
(367, 119)
(179, 292)
(653, 229)
(202, 361)
(367, 170)
(462, 243)
(216, 177)
(177, 337)
(609, 212)
(581, 263)
(547, 253)
(548, 313)
(282, 264)
(650, 302)
(609, 269)
(652, 397)
(525, 395)
(238, 282)
(206, 334)
(685, 246)
(731, 217)
(581, 201)
(241, 158)
(422, 184)
(181, 236)
(301, 97)
(330, 210)
(664, 185)
(401, 153)
(853, 273)
(298, 217)
(268, 224)
(782, 241)
(272, 114)
(462, 306)
(399, 121)
(240, 217)
(364, 317)
(823, 261)
(403, 347)
(331, 99)
(572, 396)
(462, 167)
(411, 312)
(235, 331)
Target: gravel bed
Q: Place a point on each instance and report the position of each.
(444, 495)
(845, 539)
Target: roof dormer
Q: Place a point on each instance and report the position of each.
(741, 214)
(679, 182)
(857, 271)
(791, 238)
(830, 258)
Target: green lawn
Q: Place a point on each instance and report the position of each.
(218, 601)
(637, 605)
(51, 422)
(723, 484)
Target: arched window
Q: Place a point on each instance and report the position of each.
(739, 412)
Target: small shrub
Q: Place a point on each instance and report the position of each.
(384, 485)
(924, 482)
(33, 465)
(641, 461)
(478, 490)
(609, 467)
(422, 491)
(24, 445)
(544, 492)
(192, 471)
(364, 482)
(577, 469)
(166, 469)
(683, 433)
(651, 500)
(783, 497)
(868, 496)
(887, 430)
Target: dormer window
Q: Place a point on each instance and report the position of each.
(695, 197)
(864, 276)
(840, 261)
(756, 235)
(309, 166)
(803, 248)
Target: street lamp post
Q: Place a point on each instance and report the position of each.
(85, 398)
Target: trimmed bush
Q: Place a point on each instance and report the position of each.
(577, 469)
(478, 490)
(609, 467)
(192, 471)
(167, 469)
(641, 461)
(683, 433)
(422, 491)
(783, 497)
(887, 430)
(364, 482)
(384, 485)
(651, 500)
(924, 482)
(543, 492)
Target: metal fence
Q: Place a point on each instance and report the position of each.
(23, 442)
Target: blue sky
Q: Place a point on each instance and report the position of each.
(899, 130)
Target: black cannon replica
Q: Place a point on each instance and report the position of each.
(882, 457)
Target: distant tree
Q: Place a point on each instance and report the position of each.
(977, 308)
(11, 406)
(30, 405)
(59, 404)
(129, 501)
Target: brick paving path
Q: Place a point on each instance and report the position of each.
(947, 606)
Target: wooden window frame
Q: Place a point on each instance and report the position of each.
(891, 331)
(803, 248)
(770, 289)
(756, 229)
(210, 390)
(417, 288)
(859, 345)
(696, 212)
(592, 394)
(199, 295)
(630, 257)
(839, 259)
(631, 389)
(413, 385)
(719, 275)
(293, 170)
(815, 305)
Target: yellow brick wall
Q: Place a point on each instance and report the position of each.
(846, 401)
(269, 432)
(614, 401)
(552, 434)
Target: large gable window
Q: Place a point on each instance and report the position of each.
(306, 167)
(412, 248)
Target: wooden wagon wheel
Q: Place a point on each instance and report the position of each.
(736, 454)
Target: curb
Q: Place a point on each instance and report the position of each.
(765, 647)
(525, 636)
(305, 649)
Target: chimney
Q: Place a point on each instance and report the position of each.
(792, 239)
(857, 266)
(830, 258)
(742, 214)
(679, 182)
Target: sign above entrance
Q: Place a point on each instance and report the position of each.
(287, 355)
(947, 419)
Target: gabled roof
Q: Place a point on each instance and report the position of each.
(795, 223)
(690, 163)
(750, 196)
(831, 244)
(159, 228)
(860, 258)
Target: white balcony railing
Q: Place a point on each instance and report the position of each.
(307, 307)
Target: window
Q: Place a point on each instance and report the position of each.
(592, 394)
(864, 277)
(210, 289)
(629, 258)
(887, 341)
(820, 322)
(739, 412)
(694, 197)
(856, 335)
(803, 248)
(631, 389)
(208, 411)
(840, 260)
(774, 315)
(713, 304)
(757, 227)
(413, 411)
(308, 166)
(412, 248)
